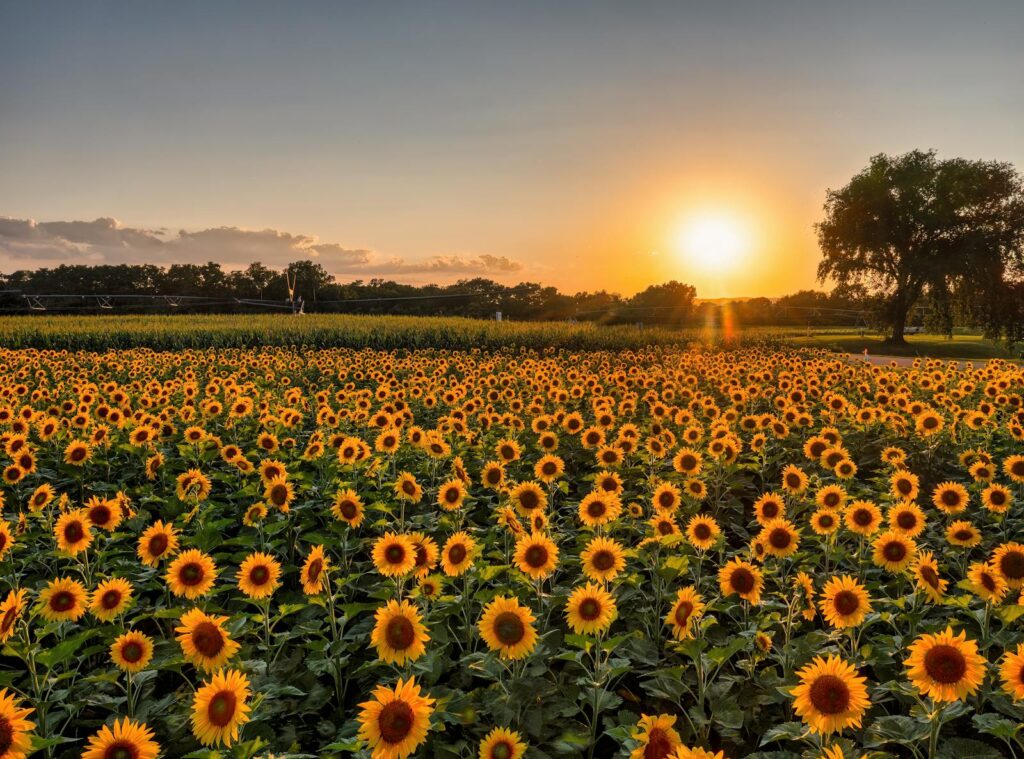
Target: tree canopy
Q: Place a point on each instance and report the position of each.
(913, 227)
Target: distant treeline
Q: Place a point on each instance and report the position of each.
(220, 291)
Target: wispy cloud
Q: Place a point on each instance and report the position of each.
(29, 244)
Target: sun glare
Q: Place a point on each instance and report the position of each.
(713, 242)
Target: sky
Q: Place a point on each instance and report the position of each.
(585, 145)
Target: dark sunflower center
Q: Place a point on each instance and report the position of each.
(825, 521)
(988, 582)
(688, 462)
(904, 486)
(906, 520)
(395, 554)
(421, 556)
(208, 639)
(121, 750)
(603, 560)
(259, 575)
(964, 535)
(509, 628)
(315, 567)
(770, 510)
(702, 531)
(348, 509)
(846, 602)
(929, 576)
(451, 495)
(73, 532)
(894, 551)
(950, 498)
(945, 664)
(683, 611)
(408, 488)
(536, 556)
(395, 722)
(6, 735)
(742, 580)
(665, 527)
(666, 499)
(131, 652)
(829, 695)
(793, 480)
(590, 609)
(1011, 564)
(222, 708)
(780, 538)
(110, 599)
(99, 515)
(501, 750)
(659, 745)
(191, 574)
(862, 517)
(596, 509)
(157, 544)
(8, 619)
(528, 499)
(279, 494)
(62, 600)
(399, 633)
(457, 553)
(997, 497)
(831, 500)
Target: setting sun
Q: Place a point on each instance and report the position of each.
(713, 241)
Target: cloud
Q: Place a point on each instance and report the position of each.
(28, 244)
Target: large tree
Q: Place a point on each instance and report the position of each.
(913, 225)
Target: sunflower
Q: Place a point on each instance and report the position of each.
(396, 721)
(502, 743)
(794, 480)
(599, 508)
(696, 489)
(111, 598)
(590, 609)
(536, 555)
(1011, 670)
(702, 531)
(399, 635)
(825, 521)
(549, 468)
(394, 555)
(603, 559)
(781, 538)
(893, 551)
(527, 497)
(945, 666)
(6, 539)
(255, 514)
(950, 497)
(426, 553)
(458, 554)
(768, 507)
(986, 582)
(962, 533)
(507, 628)
(41, 497)
(743, 579)
(657, 738)
(926, 575)
(831, 696)
(15, 738)
(928, 423)
(492, 475)
(63, 599)
(10, 613)
(159, 541)
(127, 738)
(831, 497)
(219, 709)
(191, 574)
(687, 461)
(72, 532)
(863, 517)
(685, 752)
(1008, 560)
(77, 453)
(844, 602)
(686, 610)
(103, 513)
(451, 494)
(666, 497)
(204, 641)
(1013, 467)
(906, 518)
(314, 571)
(997, 498)
(258, 575)
(132, 651)
(904, 485)
(407, 489)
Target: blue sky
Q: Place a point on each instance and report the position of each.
(561, 142)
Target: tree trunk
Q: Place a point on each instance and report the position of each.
(899, 324)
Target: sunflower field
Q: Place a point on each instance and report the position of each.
(502, 553)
